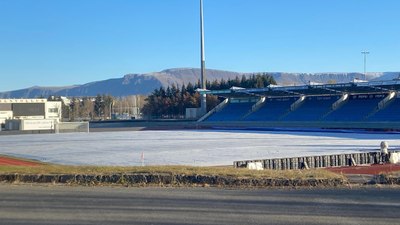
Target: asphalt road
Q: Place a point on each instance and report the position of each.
(25, 204)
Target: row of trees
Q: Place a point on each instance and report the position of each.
(260, 80)
(173, 101)
(101, 107)
(88, 108)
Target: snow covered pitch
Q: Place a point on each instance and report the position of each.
(186, 147)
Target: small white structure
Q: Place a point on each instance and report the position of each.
(394, 157)
(255, 166)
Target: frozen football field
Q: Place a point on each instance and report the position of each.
(186, 147)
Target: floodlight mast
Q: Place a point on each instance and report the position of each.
(203, 63)
(365, 53)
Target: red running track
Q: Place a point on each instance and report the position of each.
(5, 161)
(372, 169)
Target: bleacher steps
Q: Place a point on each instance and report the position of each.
(339, 103)
(218, 108)
(255, 107)
(294, 106)
(386, 101)
(383, 104)
(297, 103)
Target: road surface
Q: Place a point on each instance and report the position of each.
(28, 205)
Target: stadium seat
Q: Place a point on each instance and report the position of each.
(389, 113)
(272, 109)
(357, 108)
(312, 109)
(232, 112)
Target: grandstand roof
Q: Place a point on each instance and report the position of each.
(320, 89)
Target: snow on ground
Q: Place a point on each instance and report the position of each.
(186, 147)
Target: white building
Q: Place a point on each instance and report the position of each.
(29, 111)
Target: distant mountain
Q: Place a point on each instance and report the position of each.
(143, 84)
(304, 78)
(388, 76)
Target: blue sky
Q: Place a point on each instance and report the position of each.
(65, 42)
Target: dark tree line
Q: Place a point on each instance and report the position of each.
(171, 102)
(254, 81)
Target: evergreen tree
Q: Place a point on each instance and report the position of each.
(99, 106)
(172, 102)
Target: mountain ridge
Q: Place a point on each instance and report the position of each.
(143, 84)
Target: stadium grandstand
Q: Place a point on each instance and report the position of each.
(354, 105)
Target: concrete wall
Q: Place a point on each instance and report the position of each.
(45, 124)
(30, 124)
(191, 124)
(309, 124)
(141, 125)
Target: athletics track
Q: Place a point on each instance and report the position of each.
(7, 161)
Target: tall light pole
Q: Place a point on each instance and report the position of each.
(203, 62)
(365, 53)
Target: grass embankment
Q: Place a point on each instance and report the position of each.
(171, 170)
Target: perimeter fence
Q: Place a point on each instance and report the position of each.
(323, 161)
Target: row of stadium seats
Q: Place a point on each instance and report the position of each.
(390, 113)
(232, 112)
(276, 108)
(356, 109)
(313, 108)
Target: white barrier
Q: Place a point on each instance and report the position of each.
(255, 166)
(394, 157)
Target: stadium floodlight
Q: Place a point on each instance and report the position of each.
(365, 53)
(203, 62)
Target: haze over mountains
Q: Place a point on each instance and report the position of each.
(143, 84)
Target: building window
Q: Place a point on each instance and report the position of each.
(53, 110)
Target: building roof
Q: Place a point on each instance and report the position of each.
(30, 100)
(355, 87)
